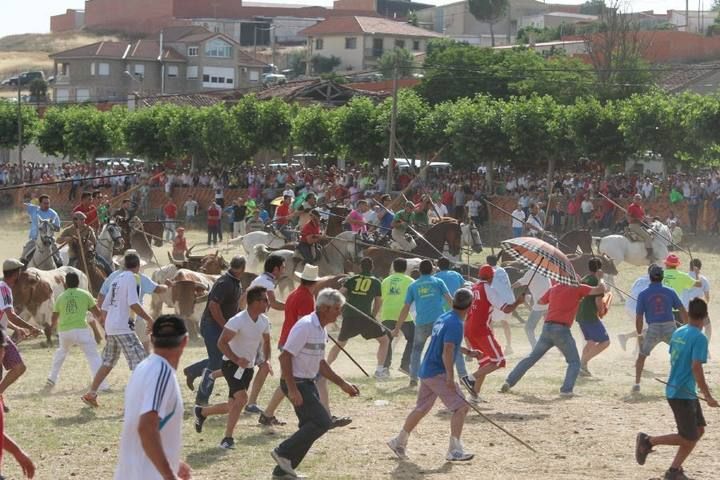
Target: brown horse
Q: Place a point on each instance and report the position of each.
(574, 240)
(335, 222)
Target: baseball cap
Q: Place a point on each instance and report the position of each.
(12, 264)
(655, 272)
(462, 298)
(169, 326)
(486, 272)
(672, 260)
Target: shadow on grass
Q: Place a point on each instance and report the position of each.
(527, 398)
(501, 418)
(86, 415)
(409, 470)
(207, 457)
(640, 398)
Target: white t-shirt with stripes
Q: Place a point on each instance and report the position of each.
(153, 386)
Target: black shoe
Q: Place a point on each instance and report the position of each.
(227, 443)
(270, 421)
(413, 383)
(189, 380)
(199, 418)
(643, 447)
(340, 422)
(469, 384)
(675, 474)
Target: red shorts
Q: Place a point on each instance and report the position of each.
(489, 347)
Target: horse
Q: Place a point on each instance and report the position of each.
(620, 249)
(43, 256)
(471, 237)
(109, 241)
(139, 240)
(252, 239)
(575, 240)
(335, 222)
(432, 243)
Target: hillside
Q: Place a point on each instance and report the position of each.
(30, 51)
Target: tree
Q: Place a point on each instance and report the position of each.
(411, 109)
(50, 137)
(433, 133)
(38, 90)
(274, 125)
(592, 7)
(597, 131)
(222, 143)
(312, 130)
(146, 133)
(182, 132)
(87, 133)
(297, 61)
(321, 64)
(488, 11)
(412, 18)
(9, 124)
(397, 57)
(357, 131)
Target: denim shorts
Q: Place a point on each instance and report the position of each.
(594, 331)
(656, 333)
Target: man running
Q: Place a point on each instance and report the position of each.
(588, 318)
(242, 335)
(151, 438)
(640, 284)
(655, 304)
(702, 291)
(363, 295)
(688, 353)
(563, 302)
(538, 285)
(454, 281)
(394, 290)
(677, 280)
(437, 380)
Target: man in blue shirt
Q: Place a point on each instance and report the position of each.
(688, 353)
(453, 281)
(437, 379)
(655, 304)
(37, 212)
(429, 295)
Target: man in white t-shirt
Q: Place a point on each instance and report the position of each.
(274, 269)
(538, 285)
(501, 285)
(151, 438)
(518, 220)
(191, 210)
(122, 300)
(473, 207)
(242, 335)
(702, 291)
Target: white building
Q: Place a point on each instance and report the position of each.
(694, 22)
(554, 19)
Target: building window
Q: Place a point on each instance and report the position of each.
(192, 72)
(172, 71)
(103, 69)
(139, 70)
(318, 44)
(254, 76)
(82, 95)
(218, 77)
(399, 43)
(416, 45)
(62, 95)
(350, 43)
(218, 49)
(192, 52)
(92, 69)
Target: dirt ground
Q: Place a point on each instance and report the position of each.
(587, 437)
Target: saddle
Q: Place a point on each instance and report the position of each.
(632, 236)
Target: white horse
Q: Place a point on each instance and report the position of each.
(620, 249)
(109, 239)
(252, 239)
(286, 283)
(43, 258)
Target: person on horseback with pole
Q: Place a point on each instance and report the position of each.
(310, 235)
(636, 224)
(37, 213)
(400, 226)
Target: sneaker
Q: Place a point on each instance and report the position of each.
(568, 394)
(413, 383)
(383, 374)
(227, 443)
(90, 399)
(672, 474)
(397, 448)
(469, 384)
(584, 372)
(404, 371)
(505, 388)
(458, 456)
(49, 385)
(478, 400)
(635, 388)
(252, 408)
(189, 380)
(622, 339)
(508, 350)
(643, 448)
(199, 418)
(338, 422)
(270, 421)
(284, 463)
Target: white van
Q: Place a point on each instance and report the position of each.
(435, 167)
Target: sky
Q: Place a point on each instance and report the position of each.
(33, 16)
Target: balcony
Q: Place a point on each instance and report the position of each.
(373, 53)
(62, 80)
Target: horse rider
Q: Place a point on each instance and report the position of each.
(37, 213)
(533, 222)
(310, 235)
(305, 209)
(403, 219)
(385, 216)
(86, 206)
(421, 216)
(89, 241)
(636, 224)
(283, 215)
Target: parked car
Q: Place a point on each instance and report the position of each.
(26, 77)
(9, 81)
(270, 79)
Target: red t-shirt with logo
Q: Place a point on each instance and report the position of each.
(299, 303)
(563, 302)
(478, 320)
(310, 228)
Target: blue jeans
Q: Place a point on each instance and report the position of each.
(517, 232)
(460, 365)
(210, 332)
(531, 325)
(553, 335)
(422, 333)
(313, 420)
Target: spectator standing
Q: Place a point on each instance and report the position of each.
(191, 210)
(213, 223)
(170, 214)
(518, 221)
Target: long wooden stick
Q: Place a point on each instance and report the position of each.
(348, 355)
(383, 327)
(681, 388)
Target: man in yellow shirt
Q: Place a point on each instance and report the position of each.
(393, 290)
(676, 279)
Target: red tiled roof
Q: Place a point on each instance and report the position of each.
(190, 100)
(173, 34)
(364, 24)
(148, 50)
(98, 49)
(140, 50)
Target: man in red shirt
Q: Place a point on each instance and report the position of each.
(170, 214)
(282, 217)
(309, 237)
(636, 224)
(86, 206)
(563, 302)
(478, 330)
(299, 303)
(213, 223)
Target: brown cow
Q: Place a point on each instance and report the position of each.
(33, 300)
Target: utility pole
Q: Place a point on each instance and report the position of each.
(393, 126)
(20, 126)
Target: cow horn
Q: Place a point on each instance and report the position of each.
(189, 251)
(202, 298)
(174, 261)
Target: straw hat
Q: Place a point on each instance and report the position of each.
(309, 273)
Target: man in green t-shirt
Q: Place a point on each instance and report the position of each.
(588, 318)
(394, 289)
(677, 280)
(402, 220)
(68, 318)
(363, 302)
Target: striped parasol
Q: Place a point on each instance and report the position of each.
(543, 257)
